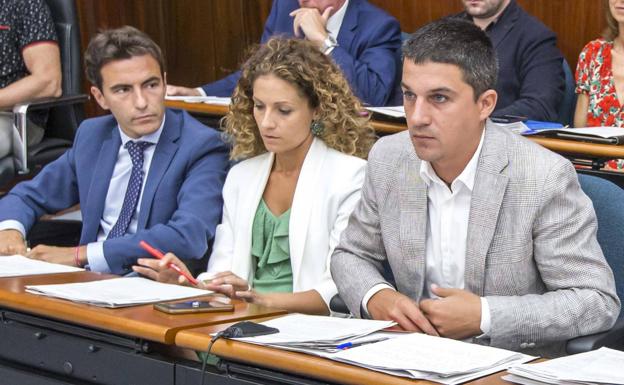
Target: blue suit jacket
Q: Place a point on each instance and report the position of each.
(368, 50)
(181, 202)
(530, 79)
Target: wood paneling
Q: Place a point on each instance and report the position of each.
(203, 40)
(575, 22)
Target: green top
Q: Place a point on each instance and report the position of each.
(270, 251)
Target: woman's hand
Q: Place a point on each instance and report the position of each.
(158, 270)
(229, 284)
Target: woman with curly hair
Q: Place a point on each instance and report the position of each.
(302, 139)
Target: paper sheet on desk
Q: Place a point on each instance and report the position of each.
(424, 353)
(222, 101)
(602, 366)
(18, 265)
(394, 111)
(117, 292)
(302, 329)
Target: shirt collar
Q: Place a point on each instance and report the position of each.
(335, 21)
(152, 138)
(467, 176)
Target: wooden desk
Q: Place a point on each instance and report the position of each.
(199, 108)
(562, 146)
(298, 363)
(48, 341)
(136, 321)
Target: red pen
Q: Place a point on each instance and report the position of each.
(158, 254)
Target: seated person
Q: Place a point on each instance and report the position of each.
(599, 75)
(530, 80)
(361, 38)
(30, 65)
(142, 173)
(599, 72)
(488, 235)
(300, 130)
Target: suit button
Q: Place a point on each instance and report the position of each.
(523, 345)
(531, 345)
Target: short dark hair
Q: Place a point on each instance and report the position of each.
(452, 40)
(118, 44)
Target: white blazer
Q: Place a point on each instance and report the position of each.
(327, 191)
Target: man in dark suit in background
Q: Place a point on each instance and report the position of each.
(142, 173)
(530, 80)
(361, 38)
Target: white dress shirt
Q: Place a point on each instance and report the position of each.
(116, 193)
(448, 210)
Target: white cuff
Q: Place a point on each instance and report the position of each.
(201, 91)
(486, 322)
(12, 224)
(370, 293)
(95, 257)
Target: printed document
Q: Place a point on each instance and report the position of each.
(18, 265)
(117, 292)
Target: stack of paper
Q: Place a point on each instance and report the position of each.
(442, 360)
(18, 265)
(300, 332)
(395, 111)
(602, 366)
(412, 355)
(117, 292)
(221, 101)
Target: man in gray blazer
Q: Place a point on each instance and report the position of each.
(488, 235)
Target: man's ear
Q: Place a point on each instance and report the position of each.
(487, 102)
(99, 97)
(165, 78)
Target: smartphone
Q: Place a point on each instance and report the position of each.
(188, 307)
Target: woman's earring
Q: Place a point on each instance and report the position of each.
(317, 128)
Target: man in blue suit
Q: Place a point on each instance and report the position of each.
(142, 173)
(361, 38)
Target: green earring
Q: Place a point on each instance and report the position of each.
(317, 128)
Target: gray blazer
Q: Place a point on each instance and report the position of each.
(531, 245)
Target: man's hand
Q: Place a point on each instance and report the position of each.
(53, 254)
(12, 242)
(311, 23)
(391, 305)
(456, 314)
(181, 91)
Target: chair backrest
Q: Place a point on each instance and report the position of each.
(568, 102)
(64, 120)
(608, 200)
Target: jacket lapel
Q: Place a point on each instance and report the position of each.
(413, 225)
(487, 197)
(96, 198)
(163, 154)
(246, 211)
(507, 21)
(349, 23)
(305, 193)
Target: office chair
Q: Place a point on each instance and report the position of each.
(608, 200)
(65, 112)
(565, 112)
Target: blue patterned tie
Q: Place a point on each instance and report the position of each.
(135, 149)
